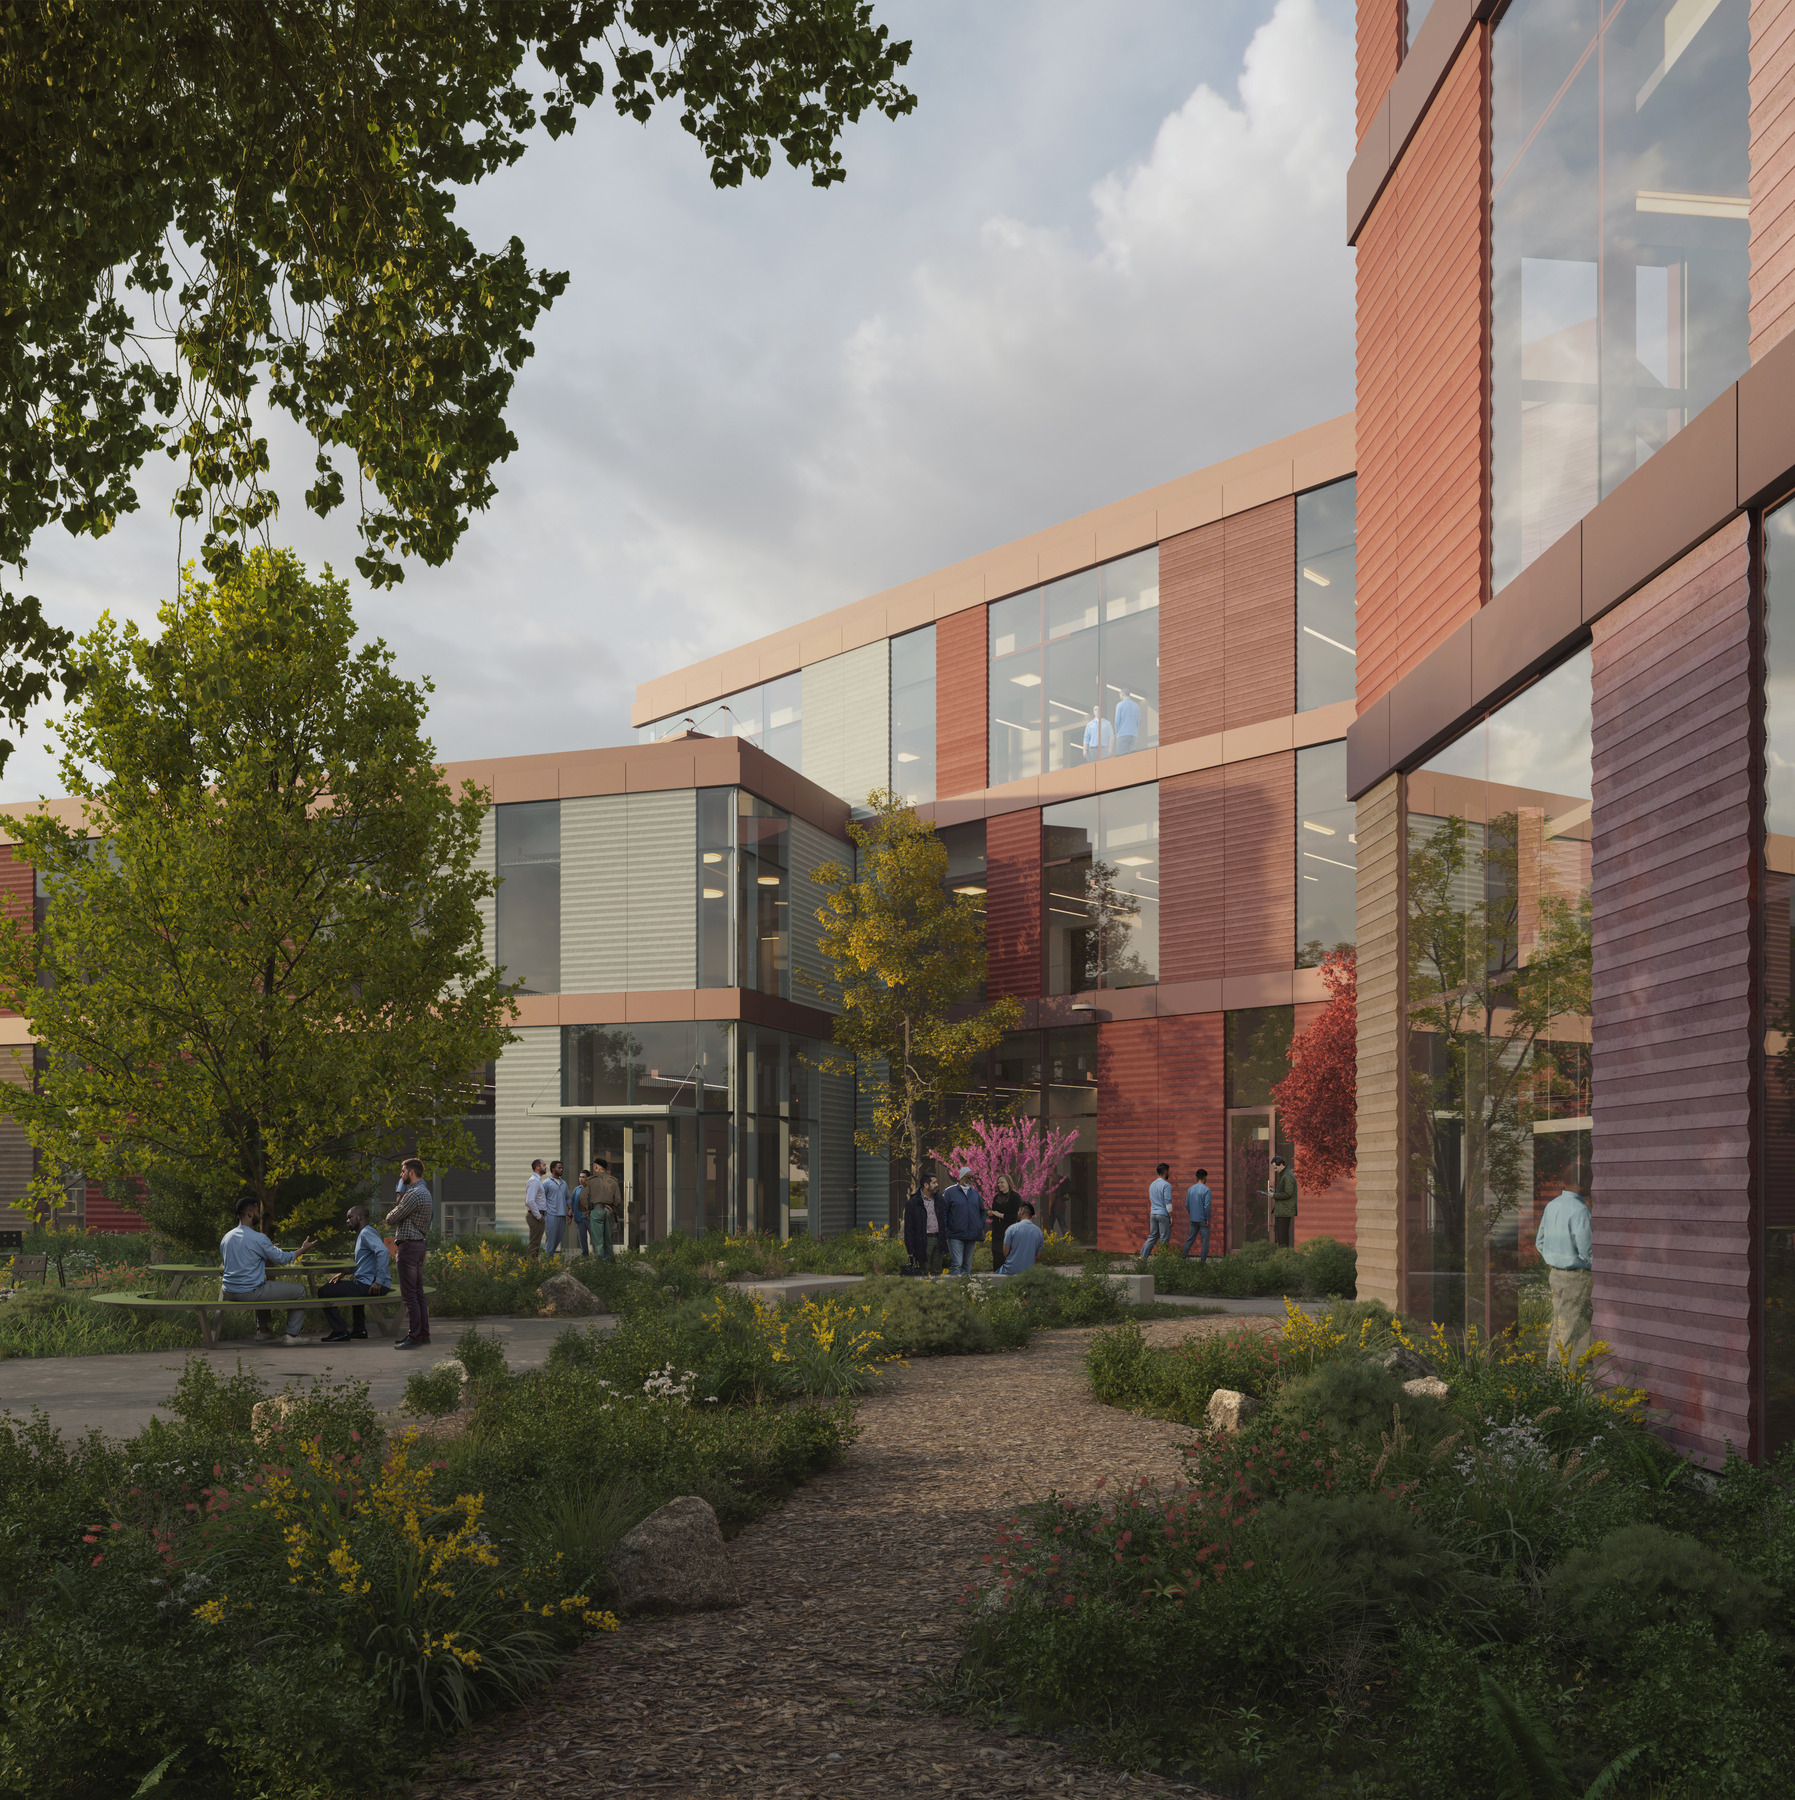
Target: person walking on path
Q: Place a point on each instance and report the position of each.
(556, 1207)
(410, 1220)
(607, 1207)
(533, 1209)
(246, 1255)
(1159, 1211)
(965, 1221)
(372, 1276)
(1283, 1204)
(1022, 1242)
(1006, 1209)
(1564, 1240)
(1197, 1204)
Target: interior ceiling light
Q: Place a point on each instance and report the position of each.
(1319, 580)
(1325, 830)
(1026, 680)
(1133, 862)
(969, 890)
(908, 756)
(713, 893)
(713, 856)
(768, 880)
(1350, 651)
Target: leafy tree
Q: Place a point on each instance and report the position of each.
(210, 209)
(1318, 1100)
(906, 954)
(1026, 1150)
(261, 966)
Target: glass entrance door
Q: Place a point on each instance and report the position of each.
(1253, 1139)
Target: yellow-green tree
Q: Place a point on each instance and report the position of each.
(907, 956)
(261, 966)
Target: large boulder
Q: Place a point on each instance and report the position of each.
(568, 1297)
(674, 1561)
(268, 1418)
(1399, 1359)
(1229, 1410)
(1426, 1387)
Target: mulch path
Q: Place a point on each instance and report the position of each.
(816, 1687)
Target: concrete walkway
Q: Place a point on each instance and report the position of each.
(117, 1394)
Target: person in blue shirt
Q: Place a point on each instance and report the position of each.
(1564, 1241)
(1159, 1211)
(1128, 724)
(557, 1206)
(246, 1255)
(1022, 1242)
(1197, 1205)
(373, 1275)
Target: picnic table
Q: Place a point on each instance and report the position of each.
(386, 1310)
(309, 1271)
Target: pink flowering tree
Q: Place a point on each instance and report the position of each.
(1023, 1149)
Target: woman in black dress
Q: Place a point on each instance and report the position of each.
(1006, 1209)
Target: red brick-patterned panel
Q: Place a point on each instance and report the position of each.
(1672, 1054)
(1380, 50)
(1192, 871)
(1128, 1140)
(1259, 613)
(1772, 183)
(1190, 634)
(961, 733)
(1330, 1211)
(1422, 388)
(1192, 1121)
(1013, 904)
(1257, 857)
(101, 1214)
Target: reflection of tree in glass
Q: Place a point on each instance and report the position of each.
(1111, 959)
(1494, 961)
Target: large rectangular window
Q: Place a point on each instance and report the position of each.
(529, 899)
(716, 887)
(1100, 881)
(1074, 669)
(1327, 854)
(913, 715)
(1619, 246)
(763, 839)
(1327, 564)
(1053, 1075)
(771, 717)
(1497, 1105)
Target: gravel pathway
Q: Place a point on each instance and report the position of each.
(814, 1688)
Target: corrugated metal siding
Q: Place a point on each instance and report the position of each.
(810, 850)
(1259, 614)
(487, 862)
(1190, 634)
(1422, 387)
(961, 732)
(1380, 51)
(847, 722)
(1128, 1142)
(17, 1159)
(1672, 1056)
(1257, 858)
(1772, 184)
(1013, 904)
(594, 894)
(835, 1184)
(528, 1072)
(1378, 1202)
(1192, 1117)
(1191, 943)
(872, 1174)
(662, 886)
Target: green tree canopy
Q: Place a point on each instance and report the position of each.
(207, 206)
(907, 955)
(261, 966)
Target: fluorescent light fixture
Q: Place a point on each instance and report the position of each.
(1133, 862)
(1325, 830)
(1694, 206)
(1026, 680)
(1319, 580)
(1338, 864)
(1311, 877)
(768, 880)
(969, 889)
(1350, 651)
(908, 756)
(713, 893)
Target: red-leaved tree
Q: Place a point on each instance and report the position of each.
(1318, 1101)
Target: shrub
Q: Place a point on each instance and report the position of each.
(947, 1318)
(430, 1393)
(1643, 1575)
(482, 1354)
(1176, 1382)
(1322, 1266)
(1350, 1400)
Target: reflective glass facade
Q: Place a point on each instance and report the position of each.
(1074, 669)
(528, 839)
(1327, 565)
(1255, 1040)
(770, 716)
(1053, 1075)
(1619, 246)
(1100, 899)
(744, 892)
(1327, 854)
(1497, 1112)
(913, 716)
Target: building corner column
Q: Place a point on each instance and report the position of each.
(1380, 1057)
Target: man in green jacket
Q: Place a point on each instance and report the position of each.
(1283, 1204)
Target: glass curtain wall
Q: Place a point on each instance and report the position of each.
(1619, 246)
(1327, 582)
(779, 1108)
(770, 716)
(1497, 1112)
(1778, 1106)
(529, 900)
(1052, 1075)
(763, 837)
(1100, 890)
(1327, 855)
(1075, 669)
(469, 1197)
(913, 716)
(1255, 1040)
(716, 887)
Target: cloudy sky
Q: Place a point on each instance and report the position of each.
(1104, 250)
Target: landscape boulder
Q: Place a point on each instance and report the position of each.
(1229, 1410)
(269, 1417)
(1426, 1387)
(674, 1561)
(569, 1297)
(1399, 1359)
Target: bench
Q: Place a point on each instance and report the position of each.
(30, 1268)
(385, 1309)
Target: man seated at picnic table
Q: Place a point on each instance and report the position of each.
(246, 1254)
(372, 1269)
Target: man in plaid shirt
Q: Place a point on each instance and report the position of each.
(410, 1220)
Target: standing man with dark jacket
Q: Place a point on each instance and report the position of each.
(965, 1221)
(410, 1220)
(1283, 1204)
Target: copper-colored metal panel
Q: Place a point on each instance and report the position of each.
(1766, 423)
(1425, 706)
(1192, 868)
(1259, 614)
(1190, 633)
(1013, 904)
(1525, 624)
(961, 734)
(1258, 865)
(1379, 55)
(1772, 181)
(1192, 1117)
(1128, 1142)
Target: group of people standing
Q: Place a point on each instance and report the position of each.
(591, 1209)
(947, 1227)
(1199, 1205)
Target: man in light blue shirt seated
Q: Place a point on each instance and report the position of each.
(1565, 1241)
(373, 1275)
(1159, 1211)
(1022, 1242)
(557, 1207)
(246, 1255)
